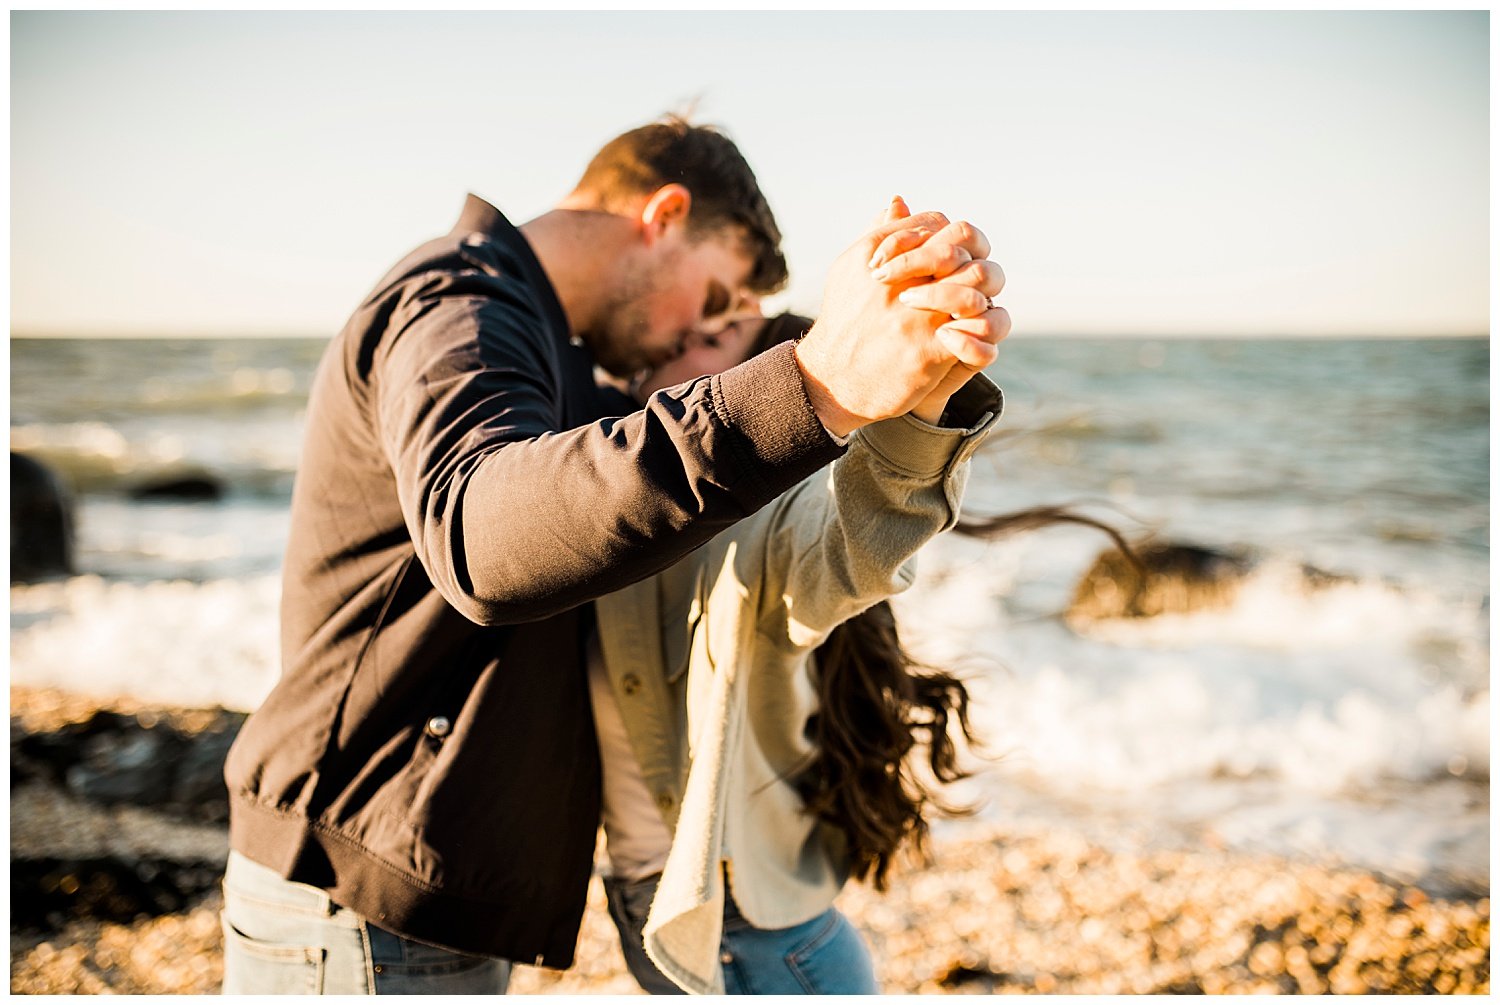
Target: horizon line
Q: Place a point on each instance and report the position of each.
(44, 334)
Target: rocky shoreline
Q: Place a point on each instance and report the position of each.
(114, 896)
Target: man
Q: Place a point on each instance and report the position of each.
(416, 801)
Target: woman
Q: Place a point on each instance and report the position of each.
(755, 710)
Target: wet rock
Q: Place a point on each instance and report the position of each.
(133, 767)
(198, 781)
(48, 755)
(41, 522)
(47, 893)
(1170, 579)
(973, 977)
(196, 487)
(139, 760)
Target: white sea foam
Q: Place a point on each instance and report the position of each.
(1275, 609)
(179, 643)
(1331, 707)
(1325, 691)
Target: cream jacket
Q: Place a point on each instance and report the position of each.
(710, 664)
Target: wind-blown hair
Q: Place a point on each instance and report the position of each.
(880, 712)
(876, 708)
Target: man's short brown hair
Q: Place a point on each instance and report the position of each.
(709, 165)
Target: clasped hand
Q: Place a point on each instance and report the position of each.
(907, 319)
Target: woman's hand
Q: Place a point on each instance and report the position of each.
(946, 271)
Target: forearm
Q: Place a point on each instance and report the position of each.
(513, 524)
(851, 544)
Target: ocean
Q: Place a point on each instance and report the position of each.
(1345, 723)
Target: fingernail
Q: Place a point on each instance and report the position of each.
(906, 296)
(881, 274)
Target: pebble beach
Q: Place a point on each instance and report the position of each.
(999, 909)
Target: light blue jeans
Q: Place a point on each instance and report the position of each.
(287, 938)
(824, 956)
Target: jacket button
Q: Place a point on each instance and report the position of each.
(631, 683)
(726, 958)
(439, 725)
(664, 800)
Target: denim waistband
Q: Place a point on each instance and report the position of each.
(248, 878)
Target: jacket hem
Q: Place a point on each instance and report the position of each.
(383, 894)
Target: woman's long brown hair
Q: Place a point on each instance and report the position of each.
(879, 709)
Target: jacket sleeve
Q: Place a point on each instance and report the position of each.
(840, 542)
(514, 519)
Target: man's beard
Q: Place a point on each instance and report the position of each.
(617, 341)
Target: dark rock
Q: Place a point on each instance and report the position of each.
(198, 783)
(141, 761)
(134, 767)
(190, 488)
(41, 522)
(1169, 579)
(46, 894)
(48, 756)
(974, 978)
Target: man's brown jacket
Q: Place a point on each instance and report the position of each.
(428, 756)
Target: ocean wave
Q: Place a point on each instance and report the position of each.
(1167, 721)
(180, 643)
(1278, 607)
(242, 387)
(1335, 690)
(93, 456)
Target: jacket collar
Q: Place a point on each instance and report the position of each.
(479, 217)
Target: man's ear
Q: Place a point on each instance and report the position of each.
(667, 207)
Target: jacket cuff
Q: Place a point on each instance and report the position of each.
(920, 450)
(975, 406)
(765, 399)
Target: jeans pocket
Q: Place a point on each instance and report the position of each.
(405, 966)
(255, 967)
(833, 960)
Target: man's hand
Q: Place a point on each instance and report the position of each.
(886, 341)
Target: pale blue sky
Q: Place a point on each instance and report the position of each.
(1169, 173)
